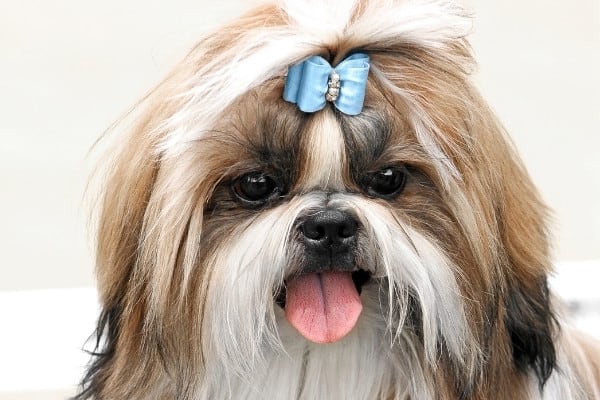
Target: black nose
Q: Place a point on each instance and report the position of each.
(329, 228)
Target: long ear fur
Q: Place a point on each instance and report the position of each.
(522, 220)
(121, 205)
(120, 224)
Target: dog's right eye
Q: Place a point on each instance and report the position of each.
(255, 188)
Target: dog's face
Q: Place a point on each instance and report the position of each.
(312, 213)
(234, 224)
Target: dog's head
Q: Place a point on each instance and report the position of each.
(231, 221)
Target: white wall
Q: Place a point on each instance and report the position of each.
(69, 68)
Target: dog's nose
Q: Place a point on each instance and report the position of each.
(329, 228)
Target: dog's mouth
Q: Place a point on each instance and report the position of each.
(323, 306)
(359, 277)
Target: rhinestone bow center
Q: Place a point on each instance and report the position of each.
(333, 87)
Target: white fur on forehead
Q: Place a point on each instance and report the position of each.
(265, 52)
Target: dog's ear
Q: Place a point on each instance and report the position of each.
(531, 324)
(120, 204)
(520, 236)
(524, 262)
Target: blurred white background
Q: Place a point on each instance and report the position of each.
(69, 69)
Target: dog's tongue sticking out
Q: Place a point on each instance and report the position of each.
(324, 306)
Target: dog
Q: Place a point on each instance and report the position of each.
(317, 203)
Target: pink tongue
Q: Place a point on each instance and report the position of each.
(323, 307)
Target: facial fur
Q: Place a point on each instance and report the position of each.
(451, 267)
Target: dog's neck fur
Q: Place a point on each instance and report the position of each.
(358, 367)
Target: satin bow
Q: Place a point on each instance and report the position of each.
(313, 82)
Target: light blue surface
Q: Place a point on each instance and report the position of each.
(307, 83)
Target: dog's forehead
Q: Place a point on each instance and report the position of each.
(323, 149)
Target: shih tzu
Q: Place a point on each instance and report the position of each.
(318, 204)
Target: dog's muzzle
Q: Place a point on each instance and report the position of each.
(322, 299)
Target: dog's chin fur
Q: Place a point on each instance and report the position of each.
(456, 304)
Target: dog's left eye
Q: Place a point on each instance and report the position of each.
(387, 182)
(255, 188)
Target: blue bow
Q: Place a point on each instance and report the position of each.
(313, 82)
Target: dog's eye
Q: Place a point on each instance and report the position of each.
(255, 188)
(387, 182)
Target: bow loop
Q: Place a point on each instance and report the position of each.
(313, 82)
